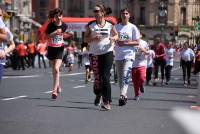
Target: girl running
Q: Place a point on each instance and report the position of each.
(129, 36)
(55, 31)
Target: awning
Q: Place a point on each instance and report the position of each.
(74, 24)
(78, 24)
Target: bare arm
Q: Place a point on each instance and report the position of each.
(114, 34)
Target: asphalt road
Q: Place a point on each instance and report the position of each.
(26, 106)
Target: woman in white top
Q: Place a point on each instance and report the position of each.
(129, 36)
(100, 35)
(187, 59)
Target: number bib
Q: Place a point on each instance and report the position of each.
(57, 39)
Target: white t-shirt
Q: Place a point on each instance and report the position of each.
(104, 45)
(3, 45)
(169, 52)
(126, 32)
(150, 58)
(187, 54)
(86, 60)
(140, 58)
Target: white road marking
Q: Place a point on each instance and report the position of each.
(188, 119)
(36, 76)
(16, 77)
(79, 86)
(47, 92)
(62, 75)
(14, 98)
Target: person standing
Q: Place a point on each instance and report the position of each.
(187, 59)
(31, 50)
(55, 31)
(100, 35)
(41, 49)
(129, 36)
(21, 52)
(169, 51)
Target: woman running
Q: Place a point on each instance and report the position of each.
(100, 35)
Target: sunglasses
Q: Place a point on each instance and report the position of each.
(125, 13)
(97, 11)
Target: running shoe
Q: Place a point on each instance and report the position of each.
(106, 106)
(54, 95)
(142, 89)
(97, 101)
(122, 100)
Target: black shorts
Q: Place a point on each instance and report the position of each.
(55, 52)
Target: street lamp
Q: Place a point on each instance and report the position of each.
(162, 16)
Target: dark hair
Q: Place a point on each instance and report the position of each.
(124, 9)
(105, 10)
(121, 11)
(57, 11)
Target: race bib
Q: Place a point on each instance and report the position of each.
(57, 39)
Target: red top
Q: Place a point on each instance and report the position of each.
(31, 48)
(159, 50)
(21, 50)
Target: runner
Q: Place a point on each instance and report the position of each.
(150, 66)
(86, 62)
(100, 35)
(187, 59)
(129, 36)
(159, 61)
(169, 51)
(139, 68)
(6, 43)
(55, 31)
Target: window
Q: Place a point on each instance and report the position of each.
(183, 16)
(43, 3)
(142, 15)
(91, 4)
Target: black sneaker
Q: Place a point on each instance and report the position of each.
(142, 89)
(97, 101)
(122, 100)
(188, 82)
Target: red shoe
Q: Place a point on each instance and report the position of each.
(54, 95)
